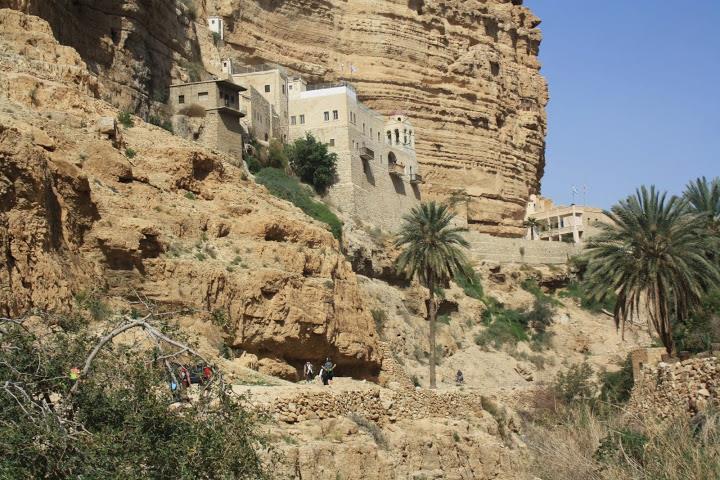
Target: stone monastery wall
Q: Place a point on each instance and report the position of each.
(670, 389)
(486, 248)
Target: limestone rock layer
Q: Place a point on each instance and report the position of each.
(466, 71)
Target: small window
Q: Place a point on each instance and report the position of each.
(335, 115)
(302, 119)
(266, 137)
(363, 129)
(289, 87)
(332, 142)
(202, 96)
(213, 22)
(267, 88)
(293, 120)
(283, 88)
(326, 116)
(181, 99)
(378, 136)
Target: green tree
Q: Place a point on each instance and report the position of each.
(116, 421)
(651, 255)
(277, 156)
(703, 198)
(313, 163)
(432, 252)
(533, 224)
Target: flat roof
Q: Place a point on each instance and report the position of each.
(226, 83)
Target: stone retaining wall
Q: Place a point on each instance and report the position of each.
(486, 248)
(381, 406)
(670, 389)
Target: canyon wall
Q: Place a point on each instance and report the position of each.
(466, 71)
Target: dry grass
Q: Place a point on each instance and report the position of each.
(581, 444)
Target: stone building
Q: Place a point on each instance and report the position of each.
(209, 112)
(573, 223)
(378, 176)
(217, 25)
(270, 83)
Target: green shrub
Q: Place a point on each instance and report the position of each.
(118, 424)
(277, 155)
(531, 285)
(622, 445)
(616, 387)
(161, 122)
(444, 319)
(578, 291)
(504, 326)
(190, 196)
(313, 163)
(130, 153)
(288, 188)
(219, 318)
(471, 285)
(575, 384)
(93, 303)
(125, 119)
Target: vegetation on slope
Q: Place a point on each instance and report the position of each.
(289, 188)
(116, 421)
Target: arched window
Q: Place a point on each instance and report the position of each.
(397, 136)
(389, 139)
(405, 136)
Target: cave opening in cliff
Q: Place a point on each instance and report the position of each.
(417, 5)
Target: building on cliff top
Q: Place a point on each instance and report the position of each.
(266, 99)
(378, 179)
(574, 223)
(209, 112)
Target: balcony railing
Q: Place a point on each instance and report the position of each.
(416, 179)
(396, 169)
(367, 154)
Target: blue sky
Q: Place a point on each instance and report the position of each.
(634, 95)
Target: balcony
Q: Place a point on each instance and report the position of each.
(396, 169)
(416, 179)
(367, 154)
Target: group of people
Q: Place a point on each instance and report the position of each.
(197, 374)
(326, 374)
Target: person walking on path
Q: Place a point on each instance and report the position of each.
(459, 379)
(308, 372)
(327, 372)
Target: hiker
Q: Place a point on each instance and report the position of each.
(327, 371)
(207, 374)
(184, 376)
(459, 379)
(308, 372)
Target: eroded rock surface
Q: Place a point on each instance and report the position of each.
(159, 216)
(466, 71)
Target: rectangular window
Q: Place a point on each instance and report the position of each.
(181, 99)
(332, 142)
(202, 96)
(289, 87)
(293, 120)
(302, 119)
(363, 129)
(267, 88)
(335, 115)
(283, 89)
(378, 136)
(326, 116)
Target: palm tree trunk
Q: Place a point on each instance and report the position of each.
(432, 317)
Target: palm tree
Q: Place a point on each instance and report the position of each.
(651, 255)
(533, 224)
(432, 253)
(703, 199)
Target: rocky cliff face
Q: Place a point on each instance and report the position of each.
(466, 71)
(142, 212)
